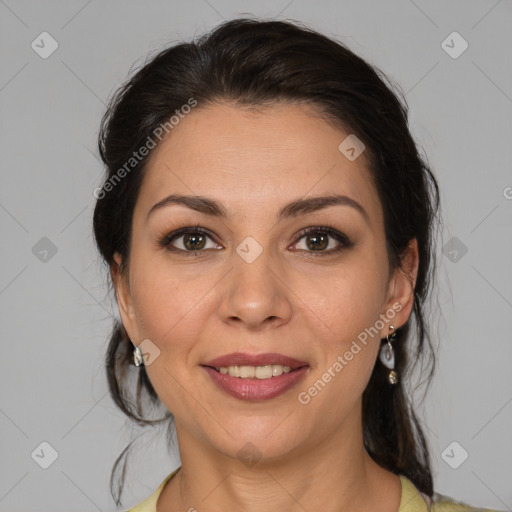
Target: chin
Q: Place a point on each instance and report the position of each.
(265, 441)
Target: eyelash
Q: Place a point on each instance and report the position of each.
(343, 240)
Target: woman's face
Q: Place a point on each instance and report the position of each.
(256, 284)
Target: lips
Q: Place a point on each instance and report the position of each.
(254, 388)
(242, 359)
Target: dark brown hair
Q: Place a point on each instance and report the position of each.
(253, 62)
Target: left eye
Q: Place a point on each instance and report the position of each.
(323, 240)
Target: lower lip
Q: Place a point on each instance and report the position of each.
(256, 389)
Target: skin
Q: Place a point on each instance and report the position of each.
(291, 300)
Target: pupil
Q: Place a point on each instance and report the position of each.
(317, 241)
(194, 241)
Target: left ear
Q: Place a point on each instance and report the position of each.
(401, 288)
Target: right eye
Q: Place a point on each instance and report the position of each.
(189, 239)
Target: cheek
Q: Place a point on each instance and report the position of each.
(170, 313)
(346, 348)
(167, 302)
(344, 302)
(340, 311)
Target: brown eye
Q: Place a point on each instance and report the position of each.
(317, 242)
(194, 241)
(322, 240)
(189, 240)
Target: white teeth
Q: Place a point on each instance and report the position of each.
(251, 372)
(233, 371)
(247, 372)
(263, 372)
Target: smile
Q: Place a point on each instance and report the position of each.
(251, 372)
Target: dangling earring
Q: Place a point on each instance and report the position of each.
(387, 356)
(137, 356)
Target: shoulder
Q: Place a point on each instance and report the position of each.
(149, 504)
(443, 503)
(414, 501)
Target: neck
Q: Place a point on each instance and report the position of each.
(334, 475)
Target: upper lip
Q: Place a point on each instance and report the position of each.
(242, 359)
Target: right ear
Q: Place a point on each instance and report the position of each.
(124, 298)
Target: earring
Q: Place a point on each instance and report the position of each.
(137, 356)
(387, 356)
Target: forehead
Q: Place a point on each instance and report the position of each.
(250, 160)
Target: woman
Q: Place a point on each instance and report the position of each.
(268, 224)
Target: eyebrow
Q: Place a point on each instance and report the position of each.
(298, 207)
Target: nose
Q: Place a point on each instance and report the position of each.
(255, 294)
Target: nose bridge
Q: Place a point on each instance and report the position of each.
(254, 290)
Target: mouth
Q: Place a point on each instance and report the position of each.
(267, 371)
(258, 366)
(255, 377)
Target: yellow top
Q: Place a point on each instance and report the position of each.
(411, 500)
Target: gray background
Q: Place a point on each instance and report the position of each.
(55, 313)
